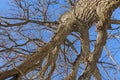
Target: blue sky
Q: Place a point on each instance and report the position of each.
(4, 4)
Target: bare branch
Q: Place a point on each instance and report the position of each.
(111, 57)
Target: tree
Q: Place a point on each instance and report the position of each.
(28, 54)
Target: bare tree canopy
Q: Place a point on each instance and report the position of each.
(60, 40)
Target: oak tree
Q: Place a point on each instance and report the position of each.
(59, 39)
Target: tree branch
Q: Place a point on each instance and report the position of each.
(49, 24)
(41, 53)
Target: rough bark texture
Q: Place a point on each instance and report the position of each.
(80, 18)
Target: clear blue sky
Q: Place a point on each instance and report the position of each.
(4, 4)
